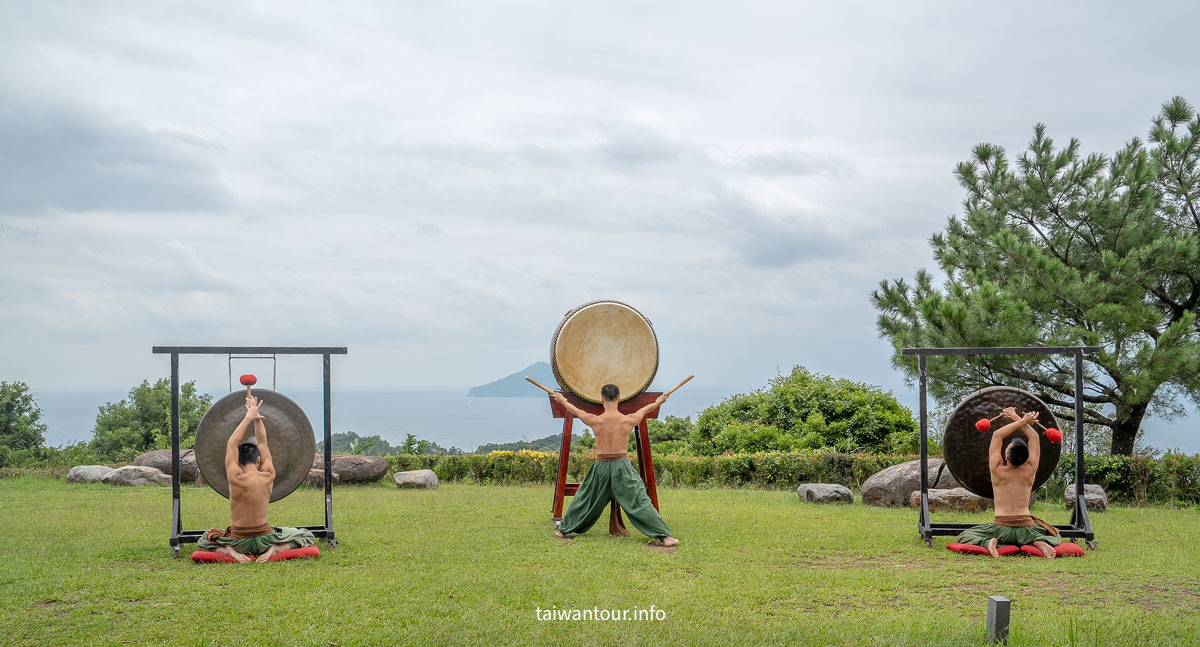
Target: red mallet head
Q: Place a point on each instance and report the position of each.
(249, 380)
(1054, 435)
(983, 425)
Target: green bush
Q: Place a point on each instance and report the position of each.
(804, 410)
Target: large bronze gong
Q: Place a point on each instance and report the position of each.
(289, 437)
(966, 448)
(604, 342)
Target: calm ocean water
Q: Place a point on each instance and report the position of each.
(446, 417)
(449, 418)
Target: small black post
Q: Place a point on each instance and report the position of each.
(176, 522)
(328, 460)
(997, 619)
(926, 533)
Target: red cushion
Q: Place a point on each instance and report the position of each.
(1067, 549)
(972, 549)
(296, 553)
(202, 556)
(1031, 550)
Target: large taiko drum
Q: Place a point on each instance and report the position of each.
(289, 437)
(604, 342)
(966, 449)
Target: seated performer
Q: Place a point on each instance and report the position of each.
(251, 476)
(612, 476)
(1013, 473)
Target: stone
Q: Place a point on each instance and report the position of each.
(88, 473)
(316, 478)
(825, 493)
(136, 475)
(160, 459)
(894, 485)
(1093, 495)
(951, 499)
(354, 468)
(426, 479)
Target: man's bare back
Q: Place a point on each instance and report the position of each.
(250, 485)
(1012, 486)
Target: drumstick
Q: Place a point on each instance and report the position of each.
(685, 381)
(535, 383)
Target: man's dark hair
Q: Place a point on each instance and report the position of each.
(1018, 452)
(610, 392)
(247, 453)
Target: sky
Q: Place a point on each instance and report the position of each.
(434, 185)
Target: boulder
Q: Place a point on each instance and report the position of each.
(354, 468)
(316, 478)
(1093, 495)
(136, 475)
(417, 479)
(825, 493)
(88, 473)
(894, 486)
(954, 499)
(160, 459)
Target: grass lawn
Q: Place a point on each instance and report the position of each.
(89, 564)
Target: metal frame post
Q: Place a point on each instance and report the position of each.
(1080, 526)
(180, 536)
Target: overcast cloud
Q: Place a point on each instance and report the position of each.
(435, 184)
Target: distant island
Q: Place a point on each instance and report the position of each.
(515, 386)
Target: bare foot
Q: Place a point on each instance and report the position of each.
(991, 547)
(669, 541)
(558, 533)
(241, 559)
(1047, 550)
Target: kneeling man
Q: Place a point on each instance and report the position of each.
(251, 476)
(612, 476)
(1013, 473)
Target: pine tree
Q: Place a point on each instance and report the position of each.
(1058, 250)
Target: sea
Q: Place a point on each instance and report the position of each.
(451, 419)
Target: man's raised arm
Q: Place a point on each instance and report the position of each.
(235, 439)
(644, 411)
(584, 417)
(260, 432)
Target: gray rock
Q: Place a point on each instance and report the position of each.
(160, 459)
(136, 475)
(1093, 495)
(825, 493)
(352, 468)
(88, 473)
(894, 486)
(954, 499)
(426, 479)
(316, 478)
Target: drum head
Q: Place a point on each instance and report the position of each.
(604, 342)
(966, 449)
(289, 437)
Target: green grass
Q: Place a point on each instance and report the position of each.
(89, 564)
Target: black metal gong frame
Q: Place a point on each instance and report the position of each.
(1081, 525)
(178, 534)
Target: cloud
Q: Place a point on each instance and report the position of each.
(56, 157)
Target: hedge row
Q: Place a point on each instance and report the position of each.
(1172, 479)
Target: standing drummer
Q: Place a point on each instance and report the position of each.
(251, 474)
(612, 476)
(1013, 472)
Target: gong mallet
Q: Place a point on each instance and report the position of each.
(685, 381)
(248, 380)
(984, 424)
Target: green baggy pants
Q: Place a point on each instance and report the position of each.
(297, 537)
(979, 535)
(606, 481)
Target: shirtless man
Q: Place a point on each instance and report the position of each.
(1013, 473)
(251, 475)
(612, 475)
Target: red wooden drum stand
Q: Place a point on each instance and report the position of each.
(645, 463)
